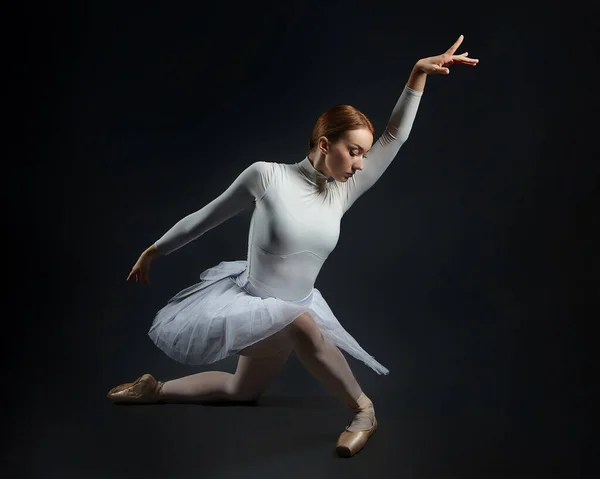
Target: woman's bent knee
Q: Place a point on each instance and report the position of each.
(302, 329)
(304, 326)
(237, 394)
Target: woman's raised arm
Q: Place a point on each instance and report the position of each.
(398, 128)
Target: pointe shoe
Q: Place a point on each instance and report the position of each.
(350, 442)
(144, 390)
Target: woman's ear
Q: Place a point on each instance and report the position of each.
(323, 145)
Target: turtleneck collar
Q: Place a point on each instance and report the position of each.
(312, 174)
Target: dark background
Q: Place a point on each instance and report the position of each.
(469, 270)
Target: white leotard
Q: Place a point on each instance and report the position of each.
(297, 212)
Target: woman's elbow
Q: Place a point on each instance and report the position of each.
(395, 136)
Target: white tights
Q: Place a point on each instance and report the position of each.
(262, 362)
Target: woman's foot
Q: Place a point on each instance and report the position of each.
(144, 390)
(364, 424)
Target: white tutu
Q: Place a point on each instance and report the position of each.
(218, 317)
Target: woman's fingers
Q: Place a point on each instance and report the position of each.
(457, 43)
(438, 69)
(465, 60)
(135, 273)
(141, 272)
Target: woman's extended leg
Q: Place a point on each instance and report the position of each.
(257, 366)
(327, 363)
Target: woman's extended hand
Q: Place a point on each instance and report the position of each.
(141, 269)
(440, 63)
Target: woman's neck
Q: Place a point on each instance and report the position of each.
(317, 160)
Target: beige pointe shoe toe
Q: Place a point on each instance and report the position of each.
(143, 390)
(350, 442)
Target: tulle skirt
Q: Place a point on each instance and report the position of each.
(218, 317)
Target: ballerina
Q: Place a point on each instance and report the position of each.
(266, 306)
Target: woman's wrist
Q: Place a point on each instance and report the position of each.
(151, 252)
(417, 78)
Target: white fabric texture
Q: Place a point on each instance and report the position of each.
(217, 318)
(294, 227)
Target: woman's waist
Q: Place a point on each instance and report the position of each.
(289, 277)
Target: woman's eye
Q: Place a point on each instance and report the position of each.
(352, 153)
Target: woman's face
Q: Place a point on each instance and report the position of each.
(345, 156)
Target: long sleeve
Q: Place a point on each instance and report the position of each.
(250, 185)
(385, 149)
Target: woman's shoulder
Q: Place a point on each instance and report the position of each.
(261, 175)
(271, 170)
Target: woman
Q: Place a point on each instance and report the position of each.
(266, 306)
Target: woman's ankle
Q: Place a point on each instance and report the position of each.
(362, 403)
(159, 391)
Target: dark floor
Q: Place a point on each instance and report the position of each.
(70, 430)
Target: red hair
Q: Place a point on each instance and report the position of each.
(336, 121)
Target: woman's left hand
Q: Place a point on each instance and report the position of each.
(440, 63)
